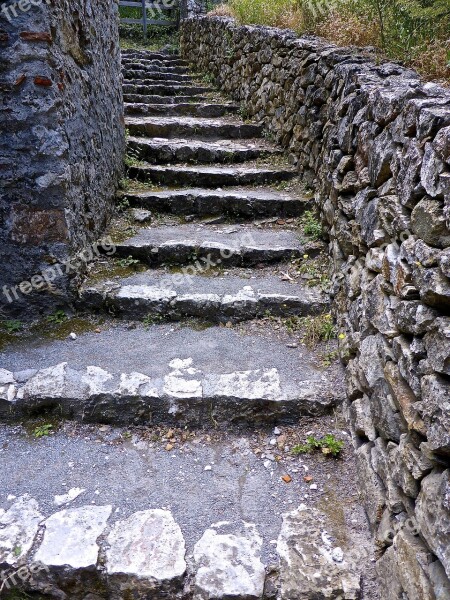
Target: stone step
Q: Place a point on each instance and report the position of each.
(164, 89)
(157, 100)
(158, 80)
(232, 202)
(162, 150)
(181, 109)
(216, 299)
(194, 128)
(209, 176)
(142, 77)
(163, 64)
(153, 68)
(145, 56)
(166, 374)
(206, 519)
(239, 245)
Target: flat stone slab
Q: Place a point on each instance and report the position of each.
(164, 150)
(161, 89)
(208, 176)
(142, 76)
(219, 244)
(312, 564)
(187, 109)
(243, 202)
(180, 127)
(70, 537)
(18, 528)
(145, 99)
(222, 298)
(228, 563)
(168, 376)
(146, 554)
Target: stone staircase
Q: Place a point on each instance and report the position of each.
(178, 485)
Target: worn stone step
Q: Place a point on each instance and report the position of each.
(194, 128)
(209, 176)
(153, 67)
(132, 61)
(143, 77)
(166, 374)
(158, 80)
(209, 518)
(180, 109)
(145, 56)
(162, 150)
(222, 298)
(164, 89)
(244, 202)
(239, 245)
(157, 100)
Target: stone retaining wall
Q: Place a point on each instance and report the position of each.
(62, 142)
(374, 141)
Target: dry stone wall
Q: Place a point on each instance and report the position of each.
(374, 141)
(62, 142)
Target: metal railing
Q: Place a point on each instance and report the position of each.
(157, 8)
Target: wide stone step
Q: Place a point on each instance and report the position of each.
(186, 109)
(166, 375)
(160, 150)
(164, 89)
(153, 67)
(144, 76)
(206, 176)
(195, 128)
(194, 293)
(244, 202)
(145, 56)
(209, 518)
(222, 244)
(157, 80)
(174, 63)
(157, 100)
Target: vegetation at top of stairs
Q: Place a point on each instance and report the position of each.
(413, 31)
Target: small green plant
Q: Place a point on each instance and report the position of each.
(17, 550)
(208, 78)
(328, 445)
(57, 318)
(42, 430)
(12, 326)
(317, 329)
(152, 319)
(311, 225)
(313, 271)
(329, 358)
(122, 204)
(127, 262)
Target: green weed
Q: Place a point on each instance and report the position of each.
(328, 445)
(42, 430)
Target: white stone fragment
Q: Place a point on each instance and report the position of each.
(146, 292)
(181, 383)
(70, 537)
(148, 545)
(228, 561)
(6, 377)
(18, 528)
(260, 384)
(71, 495)
(309, 565)
(95, 378)
(48, 383)
(135, 383)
